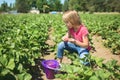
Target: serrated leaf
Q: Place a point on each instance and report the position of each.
(94, 78)
(20, 67)
(35, 48)
(27, 76)
(3, 60)
(88, 72)
(110, 64)
(24, 76)
(11, 64)
(103, 74)
(69, 69)
(4, 72)
(99, 61)
(12, 45)
(20, 76)
(76, 69)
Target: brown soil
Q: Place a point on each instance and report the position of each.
(102, 51)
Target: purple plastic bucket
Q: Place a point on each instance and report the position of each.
(50, 66)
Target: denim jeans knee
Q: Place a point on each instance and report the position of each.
(84, 58)
(60, 50)
(65, 46)
(61, 45)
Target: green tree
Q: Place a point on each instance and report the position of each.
(58, 5)
(90, 6)
(55, 5)
(41, 5)
(114, 5)
(4, 7)
(79, 5)
(65, 5)
(11, 6)
(95, 5)
(74, 4)
(23, 6)
(51, 4)
(33, 3)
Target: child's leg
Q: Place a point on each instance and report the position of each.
(60, 51)
(84, 58)
(83, 55)
(59, 60)
(64, 46)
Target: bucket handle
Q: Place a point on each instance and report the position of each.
(57, 69)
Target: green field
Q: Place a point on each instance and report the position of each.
(23, 37)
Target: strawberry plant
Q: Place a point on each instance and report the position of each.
(22, 40)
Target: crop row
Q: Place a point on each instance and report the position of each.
(22, 40)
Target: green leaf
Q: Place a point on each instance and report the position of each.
(3, 60)
(27, 76)
(20, 67)
(69, 69)
(88, 72)
(103, 74)
(24, 76)
(35, 48)
(20, 76)
(118, 68)
(106, 75)
(12, 45)
(99, 61)
(75, 69)
(4, 72)
(94, 78)
(110, 64)
(11, 64)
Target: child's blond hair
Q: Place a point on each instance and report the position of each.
(72, 17)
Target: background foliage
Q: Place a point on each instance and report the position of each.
(56, 5)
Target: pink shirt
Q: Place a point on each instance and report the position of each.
(78, 35)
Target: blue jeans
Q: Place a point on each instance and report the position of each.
(82, 52)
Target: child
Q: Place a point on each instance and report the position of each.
(76, 39)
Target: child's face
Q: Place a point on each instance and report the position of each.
(68, 24)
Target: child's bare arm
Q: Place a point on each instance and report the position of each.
(84, 44)
(65, 37)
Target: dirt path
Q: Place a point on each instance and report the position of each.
(102, 51)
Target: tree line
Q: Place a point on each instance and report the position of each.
(92, 5)
(45, 6)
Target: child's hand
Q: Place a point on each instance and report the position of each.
(64, 38)
(71, 40)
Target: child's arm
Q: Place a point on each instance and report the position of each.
(84, 44)
(65, 37)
